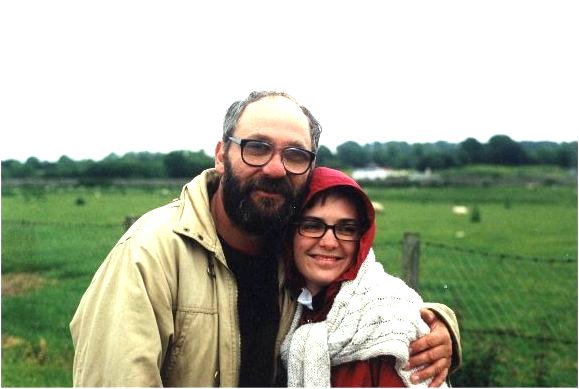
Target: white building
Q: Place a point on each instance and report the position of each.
(377, 173)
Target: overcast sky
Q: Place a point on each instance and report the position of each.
(88, 78)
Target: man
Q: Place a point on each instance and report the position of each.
(192, 294)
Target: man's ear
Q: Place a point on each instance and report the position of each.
(220, 157)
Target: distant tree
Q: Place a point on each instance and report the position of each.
(368, 150)
(84, 165)
(33, 167)
(65, 167)
(352, 154)
(470, 151)
(111, 157)
(183, 164)
(176, 164)
(439, 155)
(399, 155)
(502, 150)
(325, 157)
(12, 168)
(380, 154)
(541, 153)
(33, 164)
(65, 161)
(436, 160)
(146, 164)
(567, 155)
(417, 153)
(110, 168)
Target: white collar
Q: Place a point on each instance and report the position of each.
(305, 298)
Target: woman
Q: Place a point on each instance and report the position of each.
(354, 322)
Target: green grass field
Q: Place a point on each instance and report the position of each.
(53, 241)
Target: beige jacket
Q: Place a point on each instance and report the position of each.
(162, 308)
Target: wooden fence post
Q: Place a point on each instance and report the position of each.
(410, 259)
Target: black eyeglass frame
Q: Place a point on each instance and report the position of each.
(329, 227)
(243, 142)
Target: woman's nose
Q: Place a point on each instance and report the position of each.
(329, 239)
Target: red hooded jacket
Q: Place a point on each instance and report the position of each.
(373, 372)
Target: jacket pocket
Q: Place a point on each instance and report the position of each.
(193, 357)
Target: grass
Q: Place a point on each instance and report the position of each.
(62, 240)
(535, 222)
(47, 234)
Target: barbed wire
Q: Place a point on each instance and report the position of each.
(469, 250)
(499, 255)
(515, 334)
(59, 224)
(523, 308)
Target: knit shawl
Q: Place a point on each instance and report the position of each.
(375, 314)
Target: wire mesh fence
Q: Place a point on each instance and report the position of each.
(517, 315)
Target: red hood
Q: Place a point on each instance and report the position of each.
(324, 178)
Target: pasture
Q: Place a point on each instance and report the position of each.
(511, 277)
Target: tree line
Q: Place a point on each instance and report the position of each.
(499, 150)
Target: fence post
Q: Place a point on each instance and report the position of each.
(410, 259)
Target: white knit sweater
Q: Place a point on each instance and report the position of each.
(372, 315)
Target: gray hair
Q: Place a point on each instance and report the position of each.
(236, 110)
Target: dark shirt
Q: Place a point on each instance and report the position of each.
(258, 310)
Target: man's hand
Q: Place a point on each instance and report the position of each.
(434, 351)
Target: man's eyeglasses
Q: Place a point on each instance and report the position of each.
(258, 153)
(314, 228)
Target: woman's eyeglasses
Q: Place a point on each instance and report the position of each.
(314, 228)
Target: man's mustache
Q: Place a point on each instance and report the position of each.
(280, 186)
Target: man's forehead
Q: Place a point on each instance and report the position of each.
(274, 106)
(274, 117)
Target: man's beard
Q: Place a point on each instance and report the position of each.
(266, 217)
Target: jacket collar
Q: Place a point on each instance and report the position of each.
(195, 220)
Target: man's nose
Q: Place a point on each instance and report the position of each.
(275, 168)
